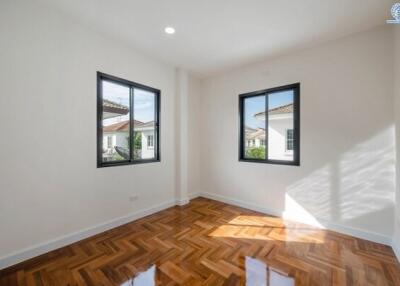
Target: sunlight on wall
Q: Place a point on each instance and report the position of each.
(294, 211)
(357, 186)
(308, 198)
(366, 176)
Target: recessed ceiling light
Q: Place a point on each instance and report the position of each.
(169, 30)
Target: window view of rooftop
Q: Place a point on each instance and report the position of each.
(277, 142)
(117, 125)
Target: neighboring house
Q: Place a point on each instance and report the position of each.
(280, 133)
(112, 109)
(117, 134)
(255, 137)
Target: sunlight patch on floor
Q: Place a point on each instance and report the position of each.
(268, 229)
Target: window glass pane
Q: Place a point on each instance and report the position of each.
(115, 122)
(280, 125)
(144, 124)
(254, 125)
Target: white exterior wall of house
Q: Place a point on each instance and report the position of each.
(257, 142)
(105, 139)
(278, 125)
(147, 151)
(277, 136)
(120, 139)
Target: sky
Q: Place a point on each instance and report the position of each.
(253, 105)
(143, 102)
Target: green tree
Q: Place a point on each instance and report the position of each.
(256, 153)
(137, 140)
(136, 144)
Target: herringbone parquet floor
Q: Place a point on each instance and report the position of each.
(204, 243)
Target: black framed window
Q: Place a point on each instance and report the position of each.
(273, 136)
(127, 115)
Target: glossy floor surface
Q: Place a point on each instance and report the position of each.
(205, 243)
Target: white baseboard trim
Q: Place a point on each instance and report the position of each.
(356, 232)
(182, 201)
(396, 249)
(192, 196)
(50, 245)
(240, 203)
(359, 233)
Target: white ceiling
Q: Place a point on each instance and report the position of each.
(215, 35)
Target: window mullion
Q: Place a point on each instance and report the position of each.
(155, 133)
(296, 126)
(242, 129)
(131, 125)
(266, 126)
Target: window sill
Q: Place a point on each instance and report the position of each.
(273, 162)
(123, 163)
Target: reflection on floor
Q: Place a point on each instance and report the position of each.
(257, 274)
(146, 278)
(206, 243)
(260, 274)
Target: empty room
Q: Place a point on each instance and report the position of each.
(182, 142)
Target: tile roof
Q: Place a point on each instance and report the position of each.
(288, 108)
(113, 107)
(259, 133)
(123, 126)
(120, 126)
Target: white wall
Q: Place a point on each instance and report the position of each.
(396, 238)
(50, 186)
(188, 148)
(346, 177)
(181, 136)
(194, 136)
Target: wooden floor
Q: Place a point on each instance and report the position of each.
(204, 243)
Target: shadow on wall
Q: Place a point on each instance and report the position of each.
(351, 189)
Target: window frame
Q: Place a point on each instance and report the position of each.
(131, 85)
(296, 125)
